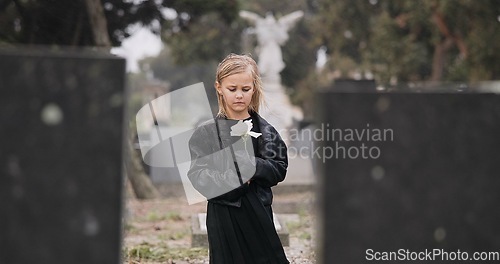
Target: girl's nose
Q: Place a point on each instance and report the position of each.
(239, 94)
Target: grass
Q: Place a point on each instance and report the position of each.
(129, 227)
(305, 235)
(174, 235)
(297, 227)
(146, 251)
(161, 253)
(179, 234)
(169, 216)
(160, 233)
(293, 226)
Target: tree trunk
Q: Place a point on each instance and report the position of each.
(128, 190)
(140, 182)
(438, 61)
(442, 47)
(77, 31)
(98, 23)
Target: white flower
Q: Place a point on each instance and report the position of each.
(243, 129)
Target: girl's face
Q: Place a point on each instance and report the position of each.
(237, 91)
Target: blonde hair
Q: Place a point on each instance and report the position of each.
(234, 64)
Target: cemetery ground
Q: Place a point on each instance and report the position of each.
(159, 230)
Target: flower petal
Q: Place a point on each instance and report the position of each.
(249, 124)
(239, 129)
(254, 134)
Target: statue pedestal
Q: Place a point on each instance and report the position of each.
(278, 110)
(280, 113)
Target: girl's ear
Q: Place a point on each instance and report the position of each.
(217, 87)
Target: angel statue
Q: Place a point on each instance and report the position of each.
(271, 34)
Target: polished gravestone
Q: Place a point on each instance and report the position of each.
(61, 116)
(352, 85)
(428, 180)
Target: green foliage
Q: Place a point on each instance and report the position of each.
(63, 22)
(299, 54)
(209, 38)
(165, 68)
(228, 9)
(402, 39)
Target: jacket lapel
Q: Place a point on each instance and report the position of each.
(225, 132)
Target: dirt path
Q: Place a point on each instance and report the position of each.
(159, 231)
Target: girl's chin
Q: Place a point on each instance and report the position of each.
(239, 112)
(239, 108)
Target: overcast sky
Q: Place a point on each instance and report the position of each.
(142, 43)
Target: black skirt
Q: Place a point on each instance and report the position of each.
(243, 235)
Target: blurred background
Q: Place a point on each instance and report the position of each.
(399, 45)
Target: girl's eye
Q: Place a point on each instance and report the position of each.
(232, 90)
(246, 90)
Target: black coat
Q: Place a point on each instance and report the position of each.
(210, 172)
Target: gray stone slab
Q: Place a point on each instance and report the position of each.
(61, 134)
(433, 185)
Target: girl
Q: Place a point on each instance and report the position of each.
(237, 181)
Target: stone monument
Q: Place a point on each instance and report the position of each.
(271, 35)
(428, 181)
(62, 116)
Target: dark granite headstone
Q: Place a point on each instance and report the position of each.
(61, 127)
(357, 86)
(429, 181)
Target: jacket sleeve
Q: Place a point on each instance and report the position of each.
(210, 172)
(272, 166)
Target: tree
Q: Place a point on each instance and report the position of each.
(139, 181)
(412, 41)
(68, 23)
(165, 68)
(210, 38)
(98, 23)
